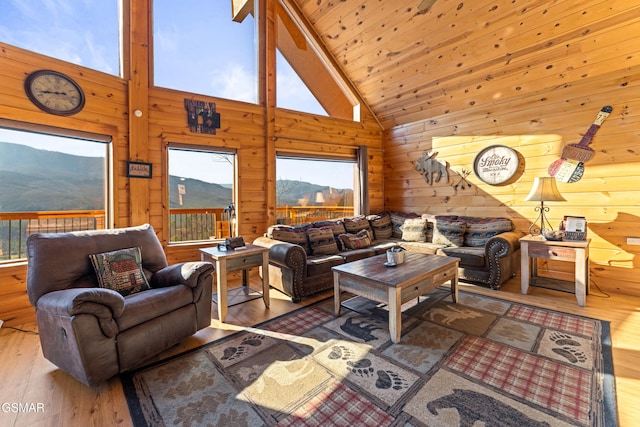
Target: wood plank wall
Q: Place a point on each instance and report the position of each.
(107, 111)
(563, 67)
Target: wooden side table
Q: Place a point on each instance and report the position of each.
(237, 260)
(534, 247)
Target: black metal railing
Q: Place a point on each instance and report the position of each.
(187, 225)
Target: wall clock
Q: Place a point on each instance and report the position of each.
(54, 92)
(496, 164)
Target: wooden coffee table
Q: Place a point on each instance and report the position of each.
(394, 286)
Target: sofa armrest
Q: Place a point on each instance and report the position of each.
(498, 252)
(283, 253)
(184, 273)
(503, 244)
(287, 266)
(104, 304)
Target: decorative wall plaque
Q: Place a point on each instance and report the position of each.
(202, 116)
(496, 164)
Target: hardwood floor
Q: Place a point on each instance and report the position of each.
(59, 400)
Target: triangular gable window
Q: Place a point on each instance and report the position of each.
(306, 60)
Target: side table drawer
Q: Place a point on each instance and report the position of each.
(241, 263)
(552, 252)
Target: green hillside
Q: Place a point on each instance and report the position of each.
(41, 180)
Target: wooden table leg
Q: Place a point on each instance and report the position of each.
(265, 278)
(454, 285)
(337, 299)
(524, 268)
(395, 315)
(581, 276)
(221, 283)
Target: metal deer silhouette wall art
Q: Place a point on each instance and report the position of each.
(432, 170)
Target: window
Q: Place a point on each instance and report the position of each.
(85, 33)
(309, 189)
(301, 64)
(199, 48)
(201, 190)
(50, 183)
(291, 92)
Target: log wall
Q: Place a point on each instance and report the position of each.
(562, 67)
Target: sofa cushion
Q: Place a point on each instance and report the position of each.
(322, 264)
(297, 235)
(356, 241)
(421, 247)
(397, 221)
(381, 225)
(120, 271)
(449, 232)
(336, 225)
(322, 241)
(382, 246)
(469, 257)
(356, 224)
(480, 230)
(414, 230)
(357, 254)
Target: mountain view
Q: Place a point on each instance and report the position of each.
(41, 180)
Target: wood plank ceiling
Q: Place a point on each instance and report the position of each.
(402, 56)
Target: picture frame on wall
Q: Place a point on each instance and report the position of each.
(139, 170)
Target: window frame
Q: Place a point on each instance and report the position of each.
(109, 177)
(195, 147)
(347, 157)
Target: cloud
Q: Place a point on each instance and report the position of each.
(235, 82)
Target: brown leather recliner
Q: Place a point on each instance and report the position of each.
(94, 333)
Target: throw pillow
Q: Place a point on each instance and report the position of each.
(356, 224)
(322, 241)
(381, 225)
(336, 225)
(414, 230)
(480, 230)
(449, 232)
(297, 235)
(356, 241)
(397, 221)
(120, 270)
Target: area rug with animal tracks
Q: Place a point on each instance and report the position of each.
(483, 360)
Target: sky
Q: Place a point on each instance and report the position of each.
(197, 49)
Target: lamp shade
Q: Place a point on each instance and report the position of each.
(545, 190)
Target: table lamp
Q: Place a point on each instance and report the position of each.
(544, 190)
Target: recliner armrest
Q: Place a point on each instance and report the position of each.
(184, 273)
(105, 304)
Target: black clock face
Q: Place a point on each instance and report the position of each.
(54, 92)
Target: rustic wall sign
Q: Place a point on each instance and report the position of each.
(202, 116)
(139, 170)
(496, 164)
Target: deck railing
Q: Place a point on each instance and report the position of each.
(16, 226)
(197, 224)
(184, 224)
(300, 214)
